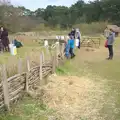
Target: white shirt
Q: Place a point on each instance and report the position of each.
(77, 42)
(46, 43)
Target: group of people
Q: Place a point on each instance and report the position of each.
(110, 37)
(4, 40)
(70, 43)
(75, 35)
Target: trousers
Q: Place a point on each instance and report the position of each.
(110, 49)
(72, 53)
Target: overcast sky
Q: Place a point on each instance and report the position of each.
(34, 4)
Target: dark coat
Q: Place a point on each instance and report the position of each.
(72, 33)
(4, 38)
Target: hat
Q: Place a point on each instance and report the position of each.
(77, 30)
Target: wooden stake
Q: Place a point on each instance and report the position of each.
(20, 66)
(63, 46)
(41, 64)
(43, 56)
(56, 55)
(28, 64)
(28, 70)
(5, 88)
(53, 64)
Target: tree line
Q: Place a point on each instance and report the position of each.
(81, 12)
(62, 16)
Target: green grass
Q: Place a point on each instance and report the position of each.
(103, 71)
(21, 52)
(28, 109)
(109, 72)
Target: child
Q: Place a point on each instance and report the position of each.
(72, 42)
(67, 48)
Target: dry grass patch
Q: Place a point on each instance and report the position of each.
(73, 98)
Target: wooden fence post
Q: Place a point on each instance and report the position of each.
(47, 52)
(28, 64)
(28, 69)
(41, 65)
(56, 55)
(62, 49)
(43, 57)
(20, 66)
(5, 88)
(53, 64)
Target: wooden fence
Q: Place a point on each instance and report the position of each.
(14, 87)
(91, 42)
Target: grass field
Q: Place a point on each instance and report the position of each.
(94, 65)
(88, 63)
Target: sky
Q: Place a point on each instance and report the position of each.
(34, 4)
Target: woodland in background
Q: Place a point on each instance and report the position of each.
(62, 17)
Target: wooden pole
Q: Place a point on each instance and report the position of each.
(63, 46)
(56, 55)
(28, 70)
(28, 64)
(53, 64)
(43, 56)
(41, 64)
(20, 66)
(5, 88)
(47, 52)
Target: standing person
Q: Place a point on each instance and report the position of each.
(110, 42)
(4, 38)
(67, 48)
(78, 36)
(72, 44)
(72, 32)
(1, 46)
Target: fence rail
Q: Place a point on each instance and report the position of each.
(91, 42)
(13, 88)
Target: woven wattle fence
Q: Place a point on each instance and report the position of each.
(13, 88)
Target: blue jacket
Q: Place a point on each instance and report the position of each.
(71, 43)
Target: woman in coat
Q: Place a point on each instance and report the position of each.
(78, 36)
(4, 39)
